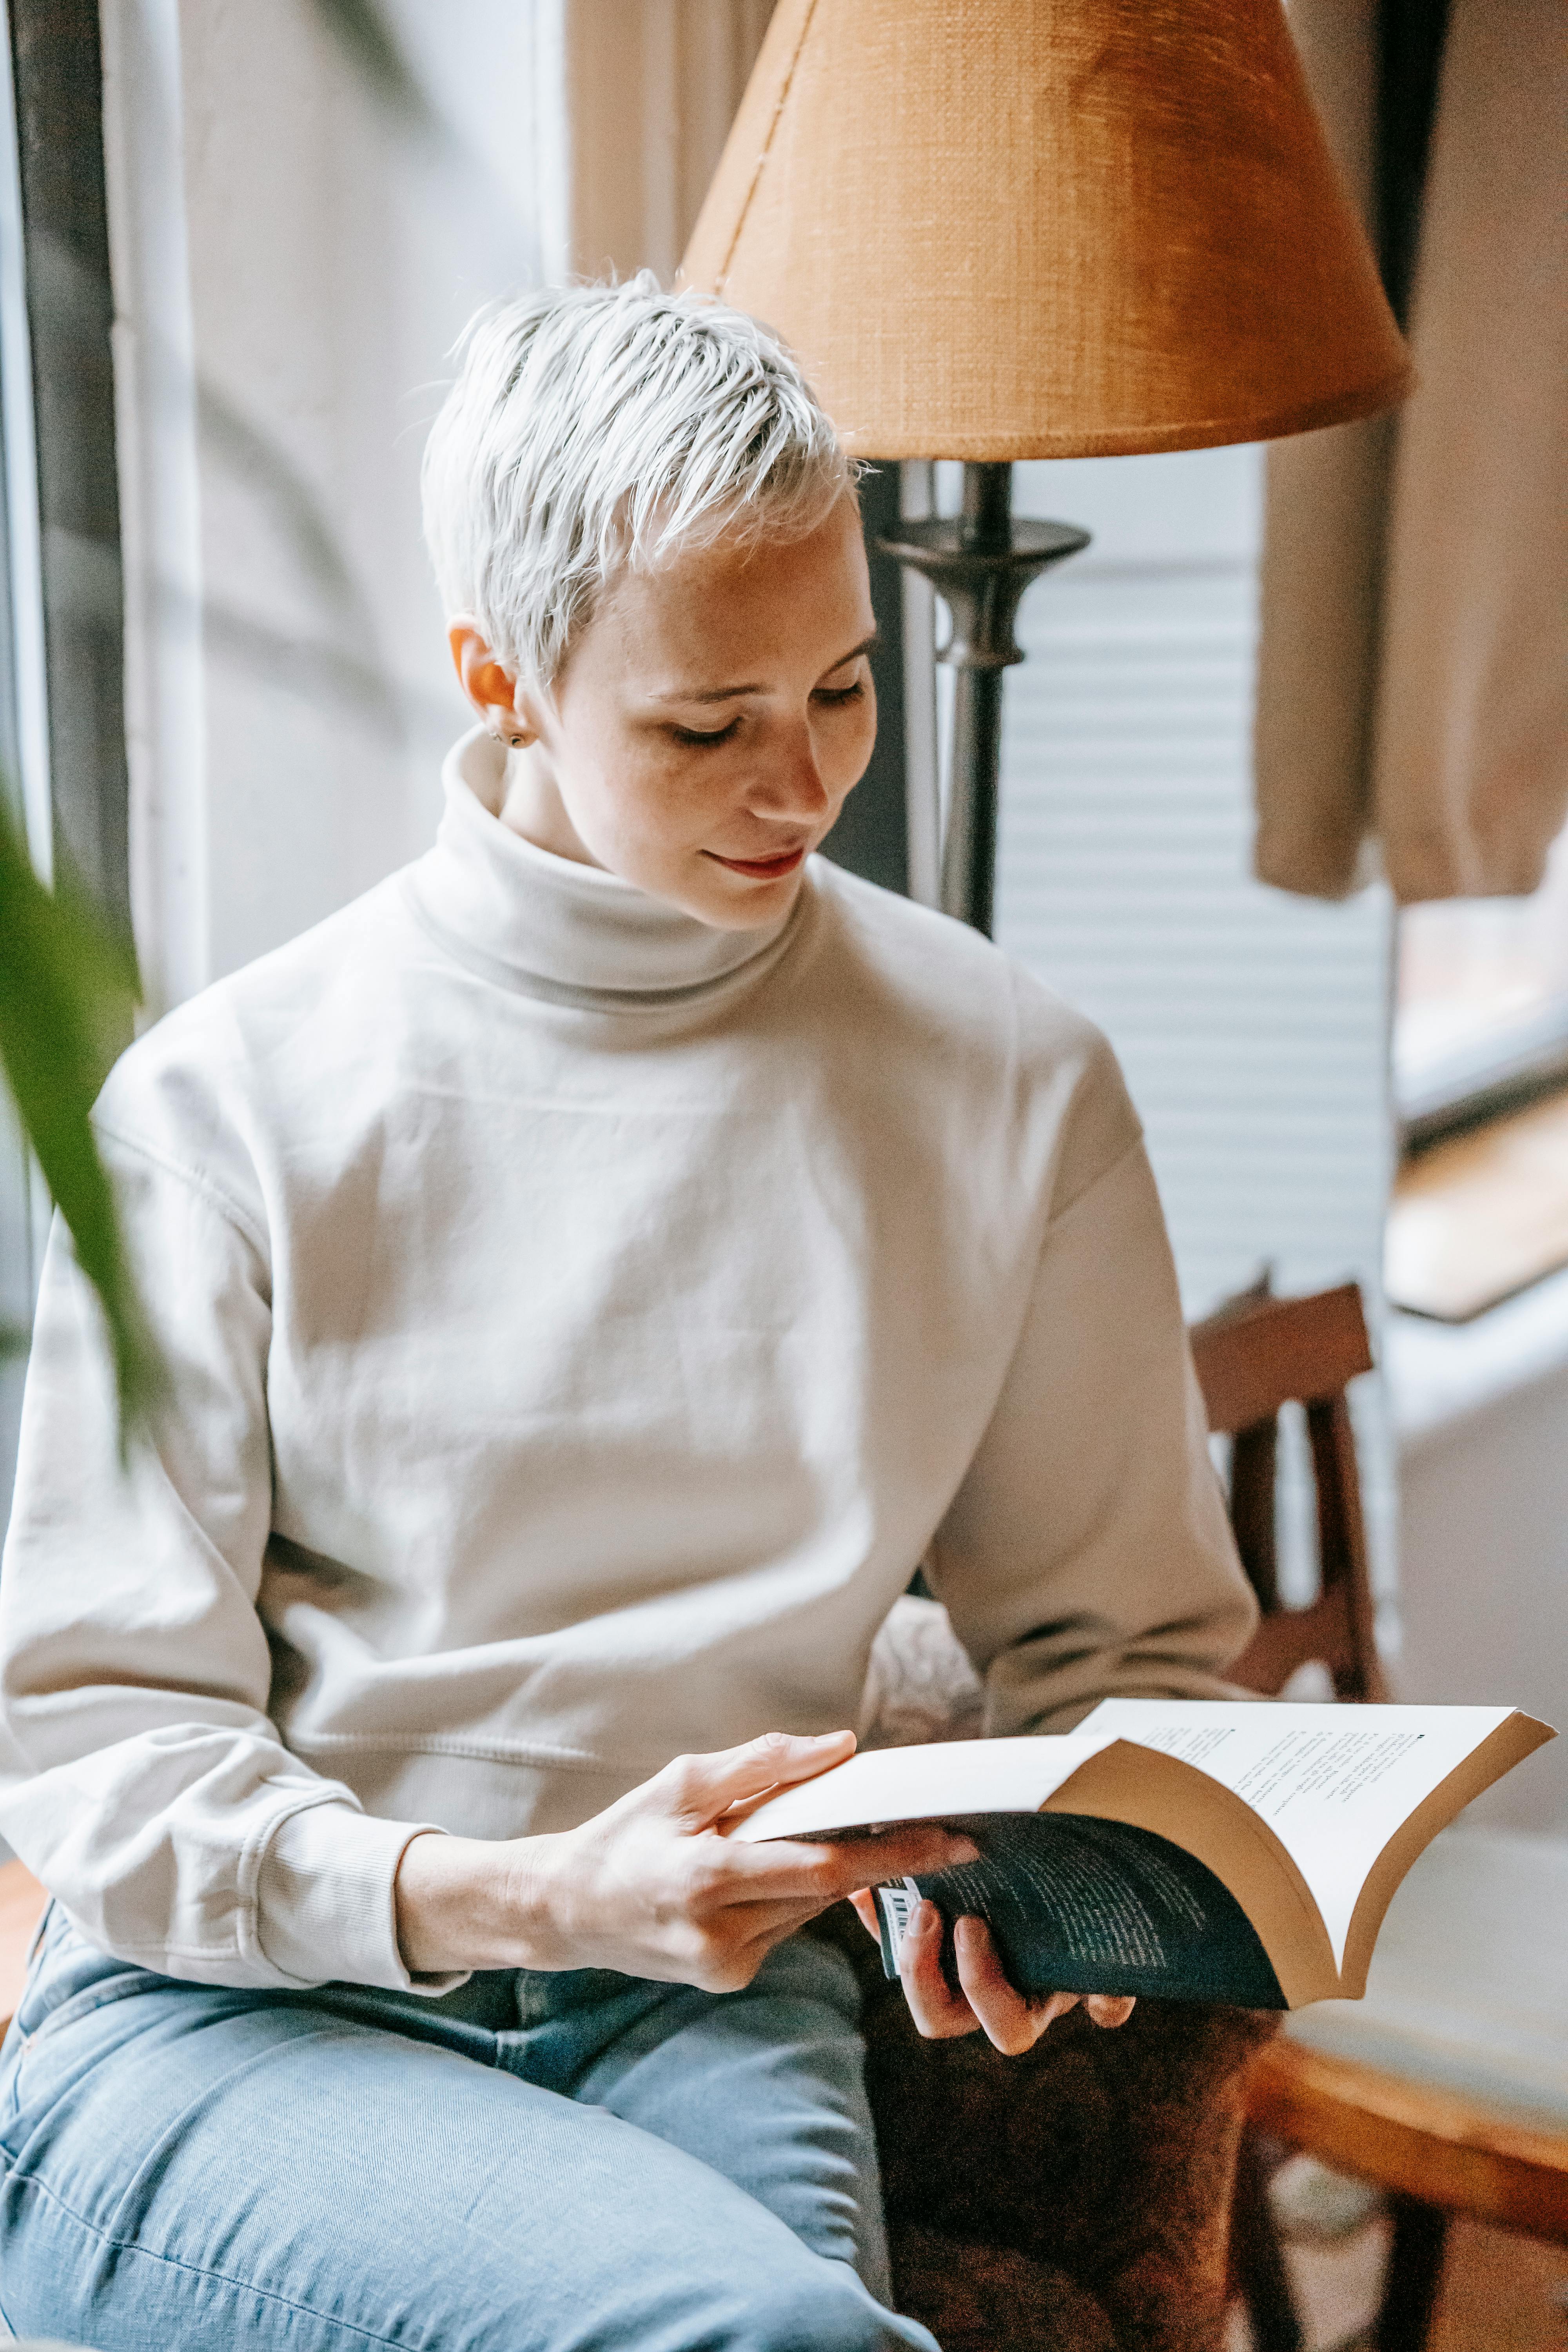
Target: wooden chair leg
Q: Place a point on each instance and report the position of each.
(1257, 2258)
(1415, 2273)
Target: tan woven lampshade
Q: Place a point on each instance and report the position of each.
(1039, 228)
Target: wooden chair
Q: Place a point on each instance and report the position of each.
(1447, 2085)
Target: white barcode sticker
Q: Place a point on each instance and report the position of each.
(895, 1907)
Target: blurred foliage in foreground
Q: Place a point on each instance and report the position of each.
(66, 987)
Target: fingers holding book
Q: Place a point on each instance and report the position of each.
(983, 1999)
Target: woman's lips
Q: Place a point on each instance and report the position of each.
(761, 869)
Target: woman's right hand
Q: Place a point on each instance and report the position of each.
(651, 1886)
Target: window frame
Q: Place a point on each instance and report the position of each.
(63, 768)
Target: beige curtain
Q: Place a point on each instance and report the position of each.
(652, 89)
(1412, 690)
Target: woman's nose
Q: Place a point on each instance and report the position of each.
(792, 785)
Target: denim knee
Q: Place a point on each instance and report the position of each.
(826, 2309)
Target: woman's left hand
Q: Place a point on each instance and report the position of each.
(987, 2003)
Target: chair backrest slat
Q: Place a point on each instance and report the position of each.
(1253, 1357)
(1342, 1546)
(1265, 1352)
(1253, 1459)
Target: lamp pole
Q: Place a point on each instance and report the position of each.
(980, 562)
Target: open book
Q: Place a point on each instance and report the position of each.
(1192, 1849)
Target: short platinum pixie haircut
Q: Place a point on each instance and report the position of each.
(604, 427)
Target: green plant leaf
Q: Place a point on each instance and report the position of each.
(67, 986)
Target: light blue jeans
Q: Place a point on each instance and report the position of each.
(575, 2163)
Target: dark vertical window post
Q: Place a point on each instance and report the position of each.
(58, 74)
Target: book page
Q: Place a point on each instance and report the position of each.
(921, 1784)
(1333, 1782)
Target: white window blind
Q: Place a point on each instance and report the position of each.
(1252, 1025)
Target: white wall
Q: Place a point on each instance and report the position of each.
(294, 258)
(335, 255)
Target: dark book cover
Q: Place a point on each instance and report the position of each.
(1078, 1904)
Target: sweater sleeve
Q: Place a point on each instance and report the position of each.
(1087, 1552)
(141, 1779)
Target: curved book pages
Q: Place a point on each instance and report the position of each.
(1195, 1850)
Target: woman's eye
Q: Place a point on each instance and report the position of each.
(705, 736)
(704, 739)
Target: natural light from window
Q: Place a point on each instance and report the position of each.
(1481, 980)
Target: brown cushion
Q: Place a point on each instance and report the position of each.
(1103, 2160)
(976, 2298)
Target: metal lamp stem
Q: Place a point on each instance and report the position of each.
(979, 562)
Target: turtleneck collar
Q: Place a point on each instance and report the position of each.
(571, 934)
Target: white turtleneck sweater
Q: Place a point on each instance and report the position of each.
(582, 1322)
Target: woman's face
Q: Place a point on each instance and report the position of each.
(708, 725)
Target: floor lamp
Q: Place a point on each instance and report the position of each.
(1001, 229)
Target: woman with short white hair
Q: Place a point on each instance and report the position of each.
(595, 1269)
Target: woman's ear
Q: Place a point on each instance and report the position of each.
(489, 686)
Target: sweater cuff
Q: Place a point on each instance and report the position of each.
(325, 1911)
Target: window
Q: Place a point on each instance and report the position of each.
(1480, 1057)
(1482, 1011)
